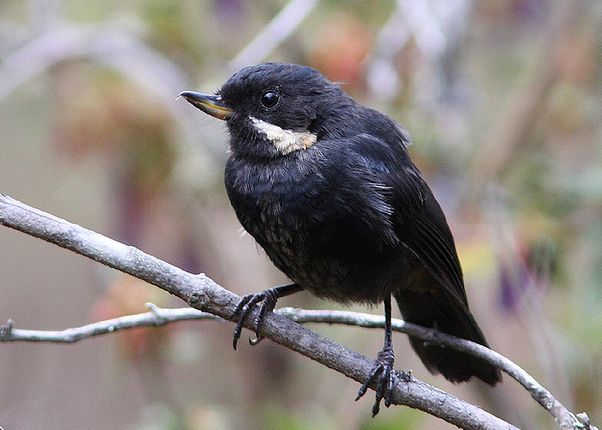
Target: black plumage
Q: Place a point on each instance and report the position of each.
(327, 188)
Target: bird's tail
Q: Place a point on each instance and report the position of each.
(449, 315)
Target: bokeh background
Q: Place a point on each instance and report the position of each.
(503, 99)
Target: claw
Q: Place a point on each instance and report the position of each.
(255, 340)
(377, 368)
(267, 299)
(269, 302)
(385, 376)
(393, 379)
(244, 307)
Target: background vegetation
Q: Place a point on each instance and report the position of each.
(502, 99)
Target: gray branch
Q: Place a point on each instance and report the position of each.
(203, 294)
(157, 317)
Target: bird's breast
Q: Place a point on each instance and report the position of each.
(280, 206)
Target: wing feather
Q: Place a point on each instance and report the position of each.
(418, 220)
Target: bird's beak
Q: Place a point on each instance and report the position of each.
(209, 104)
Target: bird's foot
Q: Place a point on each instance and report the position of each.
(267, 298)
(385, 376)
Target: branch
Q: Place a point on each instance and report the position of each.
(204, 294)
(561, 414)
(158, 317)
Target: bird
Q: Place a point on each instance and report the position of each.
(327, 188)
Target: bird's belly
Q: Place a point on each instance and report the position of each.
(285, 238)
(327, 260)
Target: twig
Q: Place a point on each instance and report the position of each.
(204, 294)
(157, 317)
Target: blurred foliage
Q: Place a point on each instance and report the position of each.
(97, 83)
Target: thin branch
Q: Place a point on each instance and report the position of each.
(159, 317)
(204, 294)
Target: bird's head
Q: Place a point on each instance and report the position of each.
(275, 109)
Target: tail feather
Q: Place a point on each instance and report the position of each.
(449, 315)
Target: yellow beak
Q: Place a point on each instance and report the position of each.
(210, 104)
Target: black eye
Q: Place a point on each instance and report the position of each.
(269, 99)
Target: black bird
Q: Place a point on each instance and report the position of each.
(327, 188)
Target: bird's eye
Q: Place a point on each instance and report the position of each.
(270, 98)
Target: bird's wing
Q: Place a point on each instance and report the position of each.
(417, 219)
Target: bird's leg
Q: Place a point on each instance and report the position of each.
(268, 299)
(382, 370)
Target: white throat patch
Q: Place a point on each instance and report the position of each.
(285, 141)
